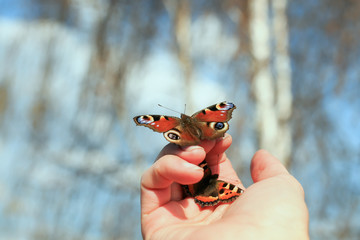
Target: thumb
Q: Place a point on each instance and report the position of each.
(264, 165)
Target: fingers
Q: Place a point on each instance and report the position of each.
(222, 144)
(177, 164)
(217, 153)
(186, 152)
(173, 165)
(170, 169)
(264, 165)
(220, 164)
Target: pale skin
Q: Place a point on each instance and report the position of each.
(273, 207)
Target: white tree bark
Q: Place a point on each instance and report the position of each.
(283, 80)
(272, 97)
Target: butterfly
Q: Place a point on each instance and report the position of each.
(209, 123)
(210, 191)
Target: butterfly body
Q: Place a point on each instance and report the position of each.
(210, 191)
(209, 123)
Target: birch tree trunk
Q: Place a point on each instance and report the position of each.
(283, 80)
(272, 97)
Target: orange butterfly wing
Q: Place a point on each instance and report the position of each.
(209, 123)
(220, 112)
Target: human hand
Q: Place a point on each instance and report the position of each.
(271, 208)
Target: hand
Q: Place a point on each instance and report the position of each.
(271, 208)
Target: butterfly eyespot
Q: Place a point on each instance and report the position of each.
(145, 119)
(225, 106)
(219, 125)
(173, 136)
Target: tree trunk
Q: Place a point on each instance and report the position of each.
(283, 81)
(272, 97)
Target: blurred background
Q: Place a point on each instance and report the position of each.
(74, 73)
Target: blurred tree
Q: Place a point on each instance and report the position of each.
(271, 84)
(180, 14)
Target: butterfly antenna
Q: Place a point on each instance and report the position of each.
(168, 108)
(185, 109)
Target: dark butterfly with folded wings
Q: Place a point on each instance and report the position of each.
(211, 191)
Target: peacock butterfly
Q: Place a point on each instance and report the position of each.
(210, 191)
(209, 123)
